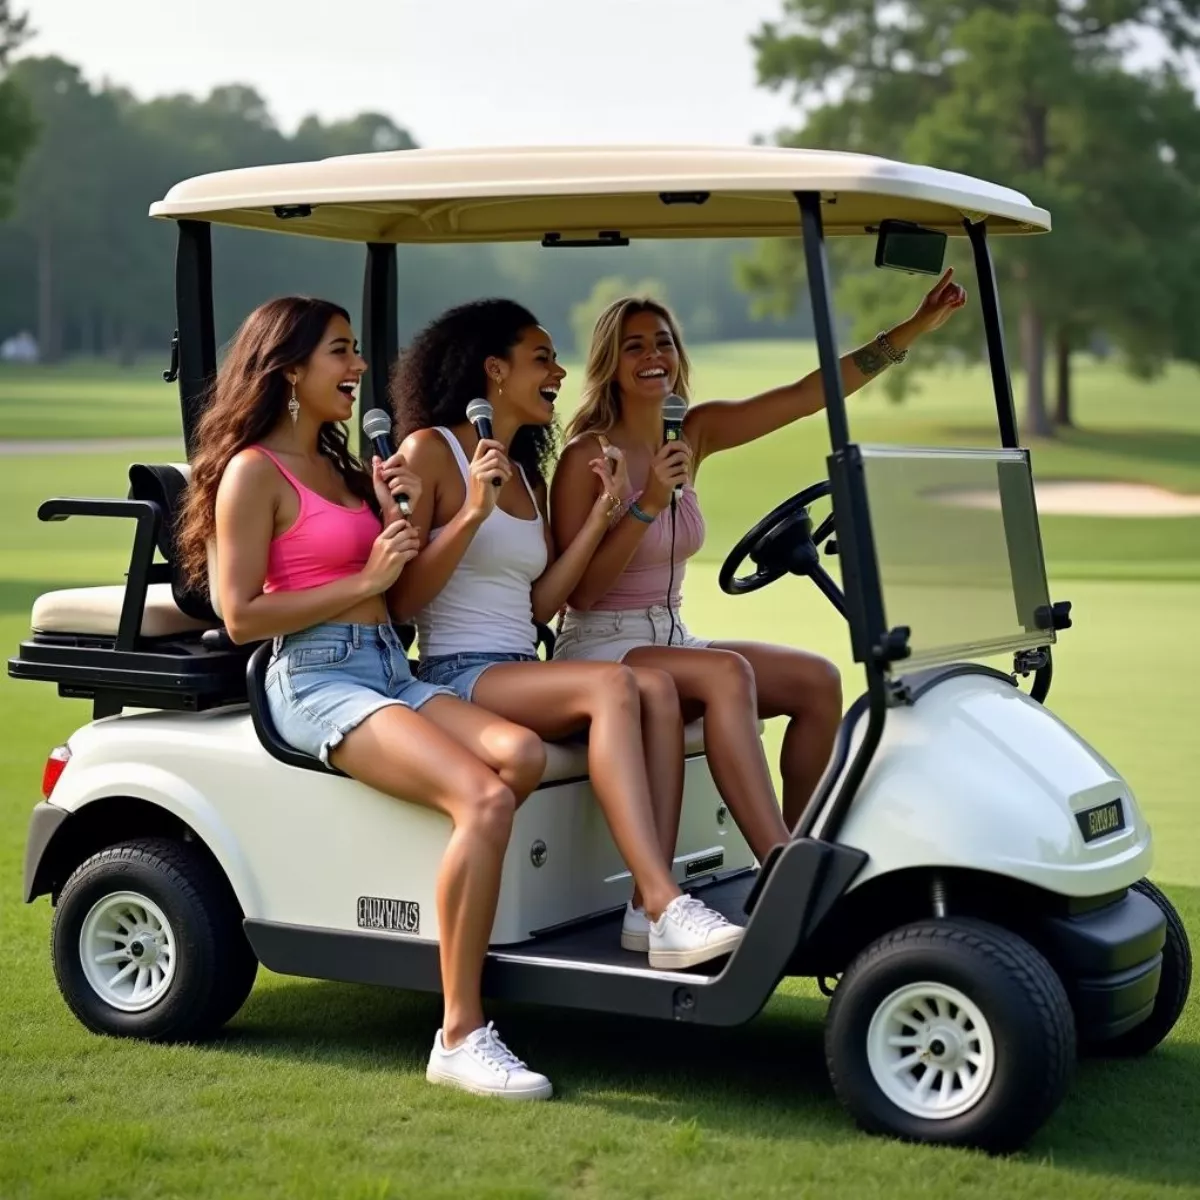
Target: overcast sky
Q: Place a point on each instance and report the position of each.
(454, 72)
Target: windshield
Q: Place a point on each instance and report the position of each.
(958, 550)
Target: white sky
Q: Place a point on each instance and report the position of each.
(453, 72)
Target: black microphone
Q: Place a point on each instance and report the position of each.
(674, 409)
(479, 413)
(377, 425)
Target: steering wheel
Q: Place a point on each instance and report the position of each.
(783, 541)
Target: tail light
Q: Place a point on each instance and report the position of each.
(56, 763)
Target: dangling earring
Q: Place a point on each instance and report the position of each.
(294, 406)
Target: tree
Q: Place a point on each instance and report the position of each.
(17, 128)
(605, 292)
(1036, 95)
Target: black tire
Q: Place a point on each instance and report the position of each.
(1022, 1001)
(214, 967)
(1173, 987)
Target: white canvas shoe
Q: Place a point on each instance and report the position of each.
(483, 1064)
(635, 929)
(689, 932)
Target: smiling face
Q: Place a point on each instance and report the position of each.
(326, 384)
(524, 385)
(648, 363)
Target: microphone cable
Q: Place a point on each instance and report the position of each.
(671, 577)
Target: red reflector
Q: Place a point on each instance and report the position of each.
(56, 763)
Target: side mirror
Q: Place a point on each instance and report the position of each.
(903, 246)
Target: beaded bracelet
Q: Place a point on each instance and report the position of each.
(884, 343)
(636, 512)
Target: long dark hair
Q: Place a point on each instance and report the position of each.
(247, 400)
(442, 371)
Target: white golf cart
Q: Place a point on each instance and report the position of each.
(968, 881)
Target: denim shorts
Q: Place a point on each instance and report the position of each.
(324, 681)
(461, 672)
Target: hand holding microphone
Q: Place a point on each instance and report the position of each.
(674, 410)
(398, 481)
(479, 413)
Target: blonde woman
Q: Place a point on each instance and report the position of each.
(625, 606)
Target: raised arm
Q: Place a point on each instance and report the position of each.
(247, 503)
(721, 425)
(428, 456)
(572, 497)
(556, 583)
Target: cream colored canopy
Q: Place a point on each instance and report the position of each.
(498, 195)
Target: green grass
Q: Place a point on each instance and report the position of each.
(317, 1090)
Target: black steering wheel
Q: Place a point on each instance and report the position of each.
(783, 542)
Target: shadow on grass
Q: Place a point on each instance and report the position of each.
(767, 1079)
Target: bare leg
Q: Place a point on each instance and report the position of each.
(807, 689)
(515, 753)
(558, 698)
(662, 741)
(399, 752)
(722, 683)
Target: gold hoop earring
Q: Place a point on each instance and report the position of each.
(294, 406)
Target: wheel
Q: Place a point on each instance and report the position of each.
(147, 942)
(952, 1032)
(1173, 986)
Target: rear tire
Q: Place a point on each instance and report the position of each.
(1173, 986)
(951, 1032)
(147, 942)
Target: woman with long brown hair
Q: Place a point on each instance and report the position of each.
(625, 607)
(309, 544)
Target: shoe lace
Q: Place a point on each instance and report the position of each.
(488, 1049)
(696, 915)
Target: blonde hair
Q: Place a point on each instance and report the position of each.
(600, 404)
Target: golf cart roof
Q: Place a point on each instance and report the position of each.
(579, 192)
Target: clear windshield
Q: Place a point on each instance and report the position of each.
(959, 551)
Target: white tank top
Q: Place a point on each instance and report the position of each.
(487, 603)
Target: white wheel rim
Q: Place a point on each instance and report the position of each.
(127, 950)
(931, 1051)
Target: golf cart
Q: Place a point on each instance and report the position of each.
(968, 879)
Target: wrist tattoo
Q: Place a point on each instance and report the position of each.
(869, 359)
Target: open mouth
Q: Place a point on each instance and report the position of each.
(549, 394)
(653, 373)
(348, 388)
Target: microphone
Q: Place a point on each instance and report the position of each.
(674, 409)
(377, 425)
(479, 413)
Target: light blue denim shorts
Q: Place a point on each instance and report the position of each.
(462, 671)
(324, 681)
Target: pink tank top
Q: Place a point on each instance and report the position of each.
(324, 543)
(644, 581)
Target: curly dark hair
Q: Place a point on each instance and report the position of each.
(442, 371)
(246, 401)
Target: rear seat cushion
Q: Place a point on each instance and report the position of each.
(96, 611)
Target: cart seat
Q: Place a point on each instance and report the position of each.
(564, 760)
(96, 612)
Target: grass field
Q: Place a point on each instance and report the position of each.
(318, 1089)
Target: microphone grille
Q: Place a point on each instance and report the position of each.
(674, 407)
(479, 408)
(376, 423)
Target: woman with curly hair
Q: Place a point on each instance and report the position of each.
(625, 606)
(487, 572)
(309, 544)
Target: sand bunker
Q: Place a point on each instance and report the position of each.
(1092, 498)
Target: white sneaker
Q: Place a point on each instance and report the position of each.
(483, 1064)
(689, 932)
(635, 929)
